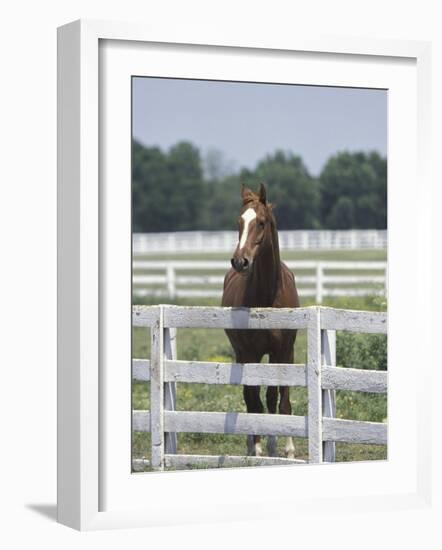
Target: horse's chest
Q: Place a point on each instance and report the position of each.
(258, 341)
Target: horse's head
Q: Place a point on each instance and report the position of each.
(255, 224)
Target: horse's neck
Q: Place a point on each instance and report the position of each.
(266, 276)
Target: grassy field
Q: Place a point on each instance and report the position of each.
(361, 351)
(303, 285)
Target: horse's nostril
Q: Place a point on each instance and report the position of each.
(239, 264)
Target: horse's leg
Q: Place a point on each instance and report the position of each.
(254, 405)
(252, 400)
(272, 401)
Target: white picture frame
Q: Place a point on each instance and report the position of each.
(81, 295)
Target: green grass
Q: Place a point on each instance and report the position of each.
(351, 405)
(212, 345)
(331, 255)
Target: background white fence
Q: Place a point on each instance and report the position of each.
(320, 375)
(184, 279)
(145, 244)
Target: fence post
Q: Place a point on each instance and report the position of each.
(171, 283)
(319, 282)
(157, 392)
(227, 242)
(328, 338)
(354, 239)
(314, 386)
(170, 441)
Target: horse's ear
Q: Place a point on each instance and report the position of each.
(262, 193)
(247, 194)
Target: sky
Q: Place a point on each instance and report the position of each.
(247, 121)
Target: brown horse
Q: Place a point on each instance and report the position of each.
(258, 278)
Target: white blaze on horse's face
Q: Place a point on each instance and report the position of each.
(248, 216)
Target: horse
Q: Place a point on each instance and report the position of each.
(258, 278)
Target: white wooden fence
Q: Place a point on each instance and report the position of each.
(320, 375)
(224, 241)
(313, 278)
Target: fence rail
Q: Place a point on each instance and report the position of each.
(320, 375)
(171, 279)
(145, 244)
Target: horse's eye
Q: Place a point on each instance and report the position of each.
(261, 224)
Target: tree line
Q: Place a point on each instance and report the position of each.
(178, 190)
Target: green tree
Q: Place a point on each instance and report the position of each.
(353, 188)
(150, 183)
(188, 197)
(216, 167)
(290, 187)
(223, 204)
(168, 192)
(342, 213)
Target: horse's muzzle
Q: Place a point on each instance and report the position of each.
(240, 264)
